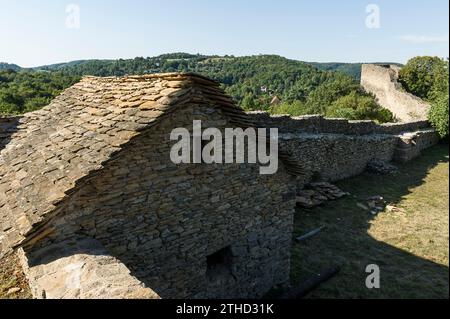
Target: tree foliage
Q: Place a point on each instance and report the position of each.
(296, 108)
(439, 115)
(251, 81)
(428, 77)
(418, 75)
(355, 106)
(341, 97)
(23, 91)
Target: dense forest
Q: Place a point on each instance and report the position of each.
(7, 66)
(264, 82)
(24, 91)
(352, 69)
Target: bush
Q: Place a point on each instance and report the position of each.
(296, 108)
(359, 107)
(427, 77)
(325, 94)
(438, 115)
(418, 75)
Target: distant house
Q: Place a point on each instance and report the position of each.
(95, 207)
(275, 101)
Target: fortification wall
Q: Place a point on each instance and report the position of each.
(332, 157)
(334, 149)
(410, 145)
(318, 124)
(381, 80)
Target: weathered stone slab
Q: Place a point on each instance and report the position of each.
(80, 269)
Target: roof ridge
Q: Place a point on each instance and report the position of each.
(170, 76)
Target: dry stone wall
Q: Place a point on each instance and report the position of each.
(334, 149)
(318, 124)
(69, 141)
(332, 157)
(411, 144)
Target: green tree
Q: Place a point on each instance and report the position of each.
(295, 108)
(248, 103)
(24, 91)
(438, 116)
(428, 77)
(329, 91)
(358, 107)
(418, 75)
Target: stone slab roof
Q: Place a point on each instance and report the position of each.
(57, 148)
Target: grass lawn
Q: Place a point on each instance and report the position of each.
(410, 245)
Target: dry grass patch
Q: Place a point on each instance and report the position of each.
(13, 284)
(410, 244)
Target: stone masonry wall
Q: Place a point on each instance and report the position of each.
(410, 145)
(332, 157)
(334, 149)
(317, 124)
(381, 80)
(191, 230)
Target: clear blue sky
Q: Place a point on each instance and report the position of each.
(34, 32)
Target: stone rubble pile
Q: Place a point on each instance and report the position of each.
(316, 194)
(375, 204)
(381, 167)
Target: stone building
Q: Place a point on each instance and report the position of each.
(96, 209)
(275, 101)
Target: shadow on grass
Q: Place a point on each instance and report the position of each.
(348, 238)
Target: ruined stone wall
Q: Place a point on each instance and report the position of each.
(411, 144)
(190, 230)
(332, 157)
(334, 149)
(317, 124)
(381, 80)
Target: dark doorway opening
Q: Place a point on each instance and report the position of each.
(219, 264)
